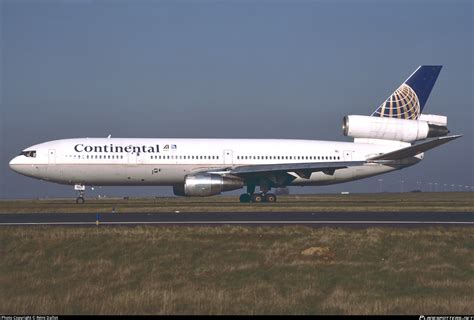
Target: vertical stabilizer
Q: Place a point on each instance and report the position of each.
(408, 101)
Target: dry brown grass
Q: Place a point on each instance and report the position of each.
(236, 270)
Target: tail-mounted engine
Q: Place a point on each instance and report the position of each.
(427, 126)
(203, 185)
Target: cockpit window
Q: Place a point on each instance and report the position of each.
(29, 154)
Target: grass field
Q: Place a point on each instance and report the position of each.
(236, 270)
(432, 202)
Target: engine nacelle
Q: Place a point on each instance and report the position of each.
(391, 128)
(434, 119)
(203, 185)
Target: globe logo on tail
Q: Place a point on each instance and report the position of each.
(402, 104)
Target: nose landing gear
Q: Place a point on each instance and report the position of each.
(81, 188)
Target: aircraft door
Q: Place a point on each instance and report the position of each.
(51, 156)
(228, 157)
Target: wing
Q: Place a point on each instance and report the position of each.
(279, 174)
(302, 169)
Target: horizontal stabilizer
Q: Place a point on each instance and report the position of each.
(414, 149)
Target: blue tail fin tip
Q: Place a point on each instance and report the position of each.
(408, 101)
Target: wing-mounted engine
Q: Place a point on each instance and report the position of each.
(203, 185)
(427, 126)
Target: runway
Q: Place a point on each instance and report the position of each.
(319, 219)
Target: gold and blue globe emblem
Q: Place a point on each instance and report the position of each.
(402, 104)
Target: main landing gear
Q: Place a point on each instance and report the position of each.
(81, 188)
(257, 197)
(262, 196)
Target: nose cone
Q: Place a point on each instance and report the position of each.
(14, 164)
(18, 165)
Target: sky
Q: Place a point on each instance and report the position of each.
(228, 69)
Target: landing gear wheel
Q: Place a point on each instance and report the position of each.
(270, 197)
(245, 198)
(257, 197)
(81, 188)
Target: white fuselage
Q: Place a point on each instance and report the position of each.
(166, 162)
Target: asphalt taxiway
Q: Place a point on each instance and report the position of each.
(350, 219)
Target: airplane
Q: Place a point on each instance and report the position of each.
(393, 137)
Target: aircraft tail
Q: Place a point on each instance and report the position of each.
(408, 101)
